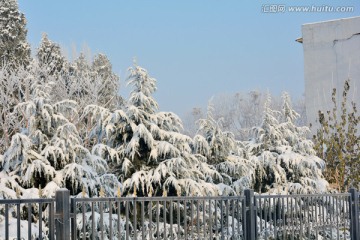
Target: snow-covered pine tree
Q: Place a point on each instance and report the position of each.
(48, 152)
(145, 147)
(284, 158)
(14, 49)
(49, 56)
(223, 152)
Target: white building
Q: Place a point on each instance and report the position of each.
(331, 55)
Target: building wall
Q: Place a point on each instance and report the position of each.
(331, 56)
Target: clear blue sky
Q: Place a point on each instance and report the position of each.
(194, 48)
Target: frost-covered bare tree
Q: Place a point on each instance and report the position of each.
(14, 89)
(108, 82)
(240, 112)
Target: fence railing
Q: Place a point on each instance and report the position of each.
(303, 216)
(22, 218)
(325, 216)
(158, 218)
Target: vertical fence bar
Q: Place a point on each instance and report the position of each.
(354, 213)
(275, 217)
(164, 217)
(222, 219)
(93, 221)
(191, 224)
(62, 197)
(232, 218)
(18, 220)
(127, 220)
(6, 221)
(171, 219)
(150, 218)
(83, 220)
(51, 221)
(178, 219)
(119, 219)
(204, 220)
(102, 221)
(210, 222)
(110, 219)
(337, 212)
(198, 218)
(135, 219)
(258, 202)
(40, 221)
(238, 217)
(157, 220)
(266, 213)
(73, 220)
(215, 221)
(29, 220)
(301, 217)
(142, 219)
(185, 220)
(250, 216)
(243, 208)
(227, 218)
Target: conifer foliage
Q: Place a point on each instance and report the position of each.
(63, 124)
(285, 160)
(145, 147)
(47, 152)
(49, 55)
(14, 49)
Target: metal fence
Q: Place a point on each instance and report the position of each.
(158, 218)
(316, 216)
(27, 218)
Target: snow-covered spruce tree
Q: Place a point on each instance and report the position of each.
(47, 153)
(223, 152)
(145, 148)
(285, 160)
(14, 49)
(49, 55)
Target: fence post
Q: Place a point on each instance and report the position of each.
(250, 215)
(62, 225)
(354, 213)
